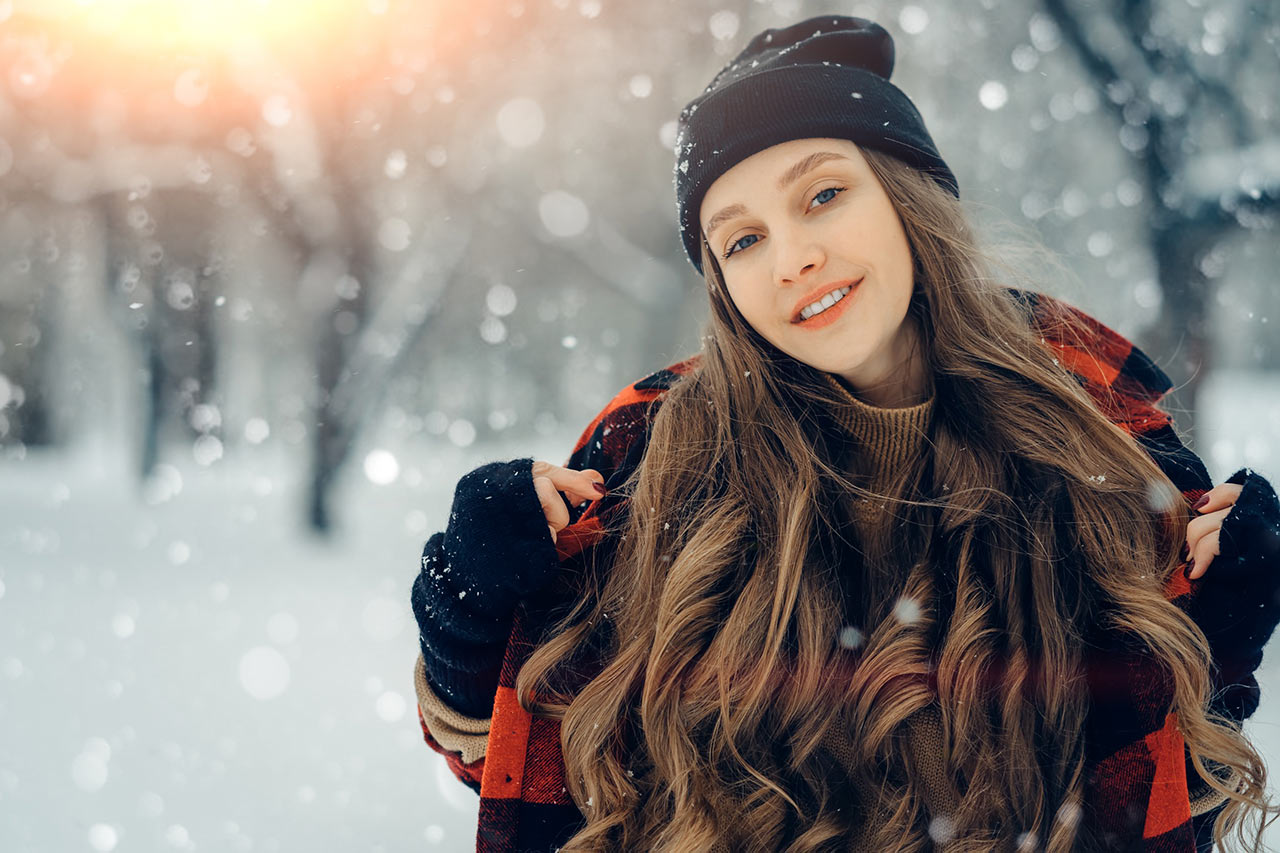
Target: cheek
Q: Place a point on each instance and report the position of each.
(752, 307)
(748, 302)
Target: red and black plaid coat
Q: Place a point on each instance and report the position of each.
(1139, 787)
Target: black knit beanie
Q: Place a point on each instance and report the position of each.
(824, 77)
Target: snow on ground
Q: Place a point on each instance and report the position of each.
(201, 675)
(185, 669)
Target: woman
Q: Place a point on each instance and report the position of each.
(892, 564)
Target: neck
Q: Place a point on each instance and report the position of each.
(898, 379)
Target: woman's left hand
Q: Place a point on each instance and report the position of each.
(1203, 531)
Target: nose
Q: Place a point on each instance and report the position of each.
(796, 258)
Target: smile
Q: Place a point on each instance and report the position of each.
(826, 302)
(826, 310)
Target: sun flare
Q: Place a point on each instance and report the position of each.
(205, 26)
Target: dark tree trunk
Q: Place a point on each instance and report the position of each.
(1188, 219)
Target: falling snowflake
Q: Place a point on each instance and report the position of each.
(907, 610)
(942, 829)
(1161, 496)
(521, 122)
(851, 637)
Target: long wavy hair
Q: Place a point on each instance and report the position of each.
(699, 667)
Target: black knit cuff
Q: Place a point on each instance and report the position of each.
(1238, 601)
(1250, 537)
(494, 553)
(467, 691)
(461, 650)
(497, 542)
(441, 608)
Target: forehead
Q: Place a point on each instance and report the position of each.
(759, 173)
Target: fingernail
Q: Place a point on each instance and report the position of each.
(600, 488)
(1186, 551)
(1203, 500)
(1186, 572)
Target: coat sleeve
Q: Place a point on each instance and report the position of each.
(1127, 386)
(613, 444)
(1236, 603)
(495, 551)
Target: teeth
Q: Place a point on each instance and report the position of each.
(826, 302)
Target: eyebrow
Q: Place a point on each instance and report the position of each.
(813, 161)
(793, 174)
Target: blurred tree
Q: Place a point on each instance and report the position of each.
(1178, 78)
(161, 279)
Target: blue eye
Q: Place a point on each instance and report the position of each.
(741, 243)
(825, 196)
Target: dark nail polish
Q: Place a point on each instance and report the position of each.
(1186, 571)
(600, 488)
(1200, 503)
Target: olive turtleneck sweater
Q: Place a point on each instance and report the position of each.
(882, 440)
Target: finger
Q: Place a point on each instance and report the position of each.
(553, 506)
(1199, 527)
(1206, 549)
(578, 485)
(1219, 497)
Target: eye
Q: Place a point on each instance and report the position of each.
(824, 196)
(741, 243)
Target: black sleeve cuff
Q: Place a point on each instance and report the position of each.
(495, 552)
(469, 692)
(1238, 601)
(461, 651)
(1250, 537)
(497, 541)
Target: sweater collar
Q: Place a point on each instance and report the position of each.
(886, 438)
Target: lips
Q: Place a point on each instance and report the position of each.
(818, 293)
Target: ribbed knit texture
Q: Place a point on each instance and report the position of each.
(824, 77)
(495, 551)
(885, 439)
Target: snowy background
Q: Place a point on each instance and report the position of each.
(274, 274)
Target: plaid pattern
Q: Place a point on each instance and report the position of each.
(1138, 793)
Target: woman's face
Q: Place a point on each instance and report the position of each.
(807, 221)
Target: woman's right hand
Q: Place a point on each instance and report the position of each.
(578, 486)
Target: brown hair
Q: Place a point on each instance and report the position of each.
(734, 568)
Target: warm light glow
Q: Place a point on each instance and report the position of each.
(205, 26)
